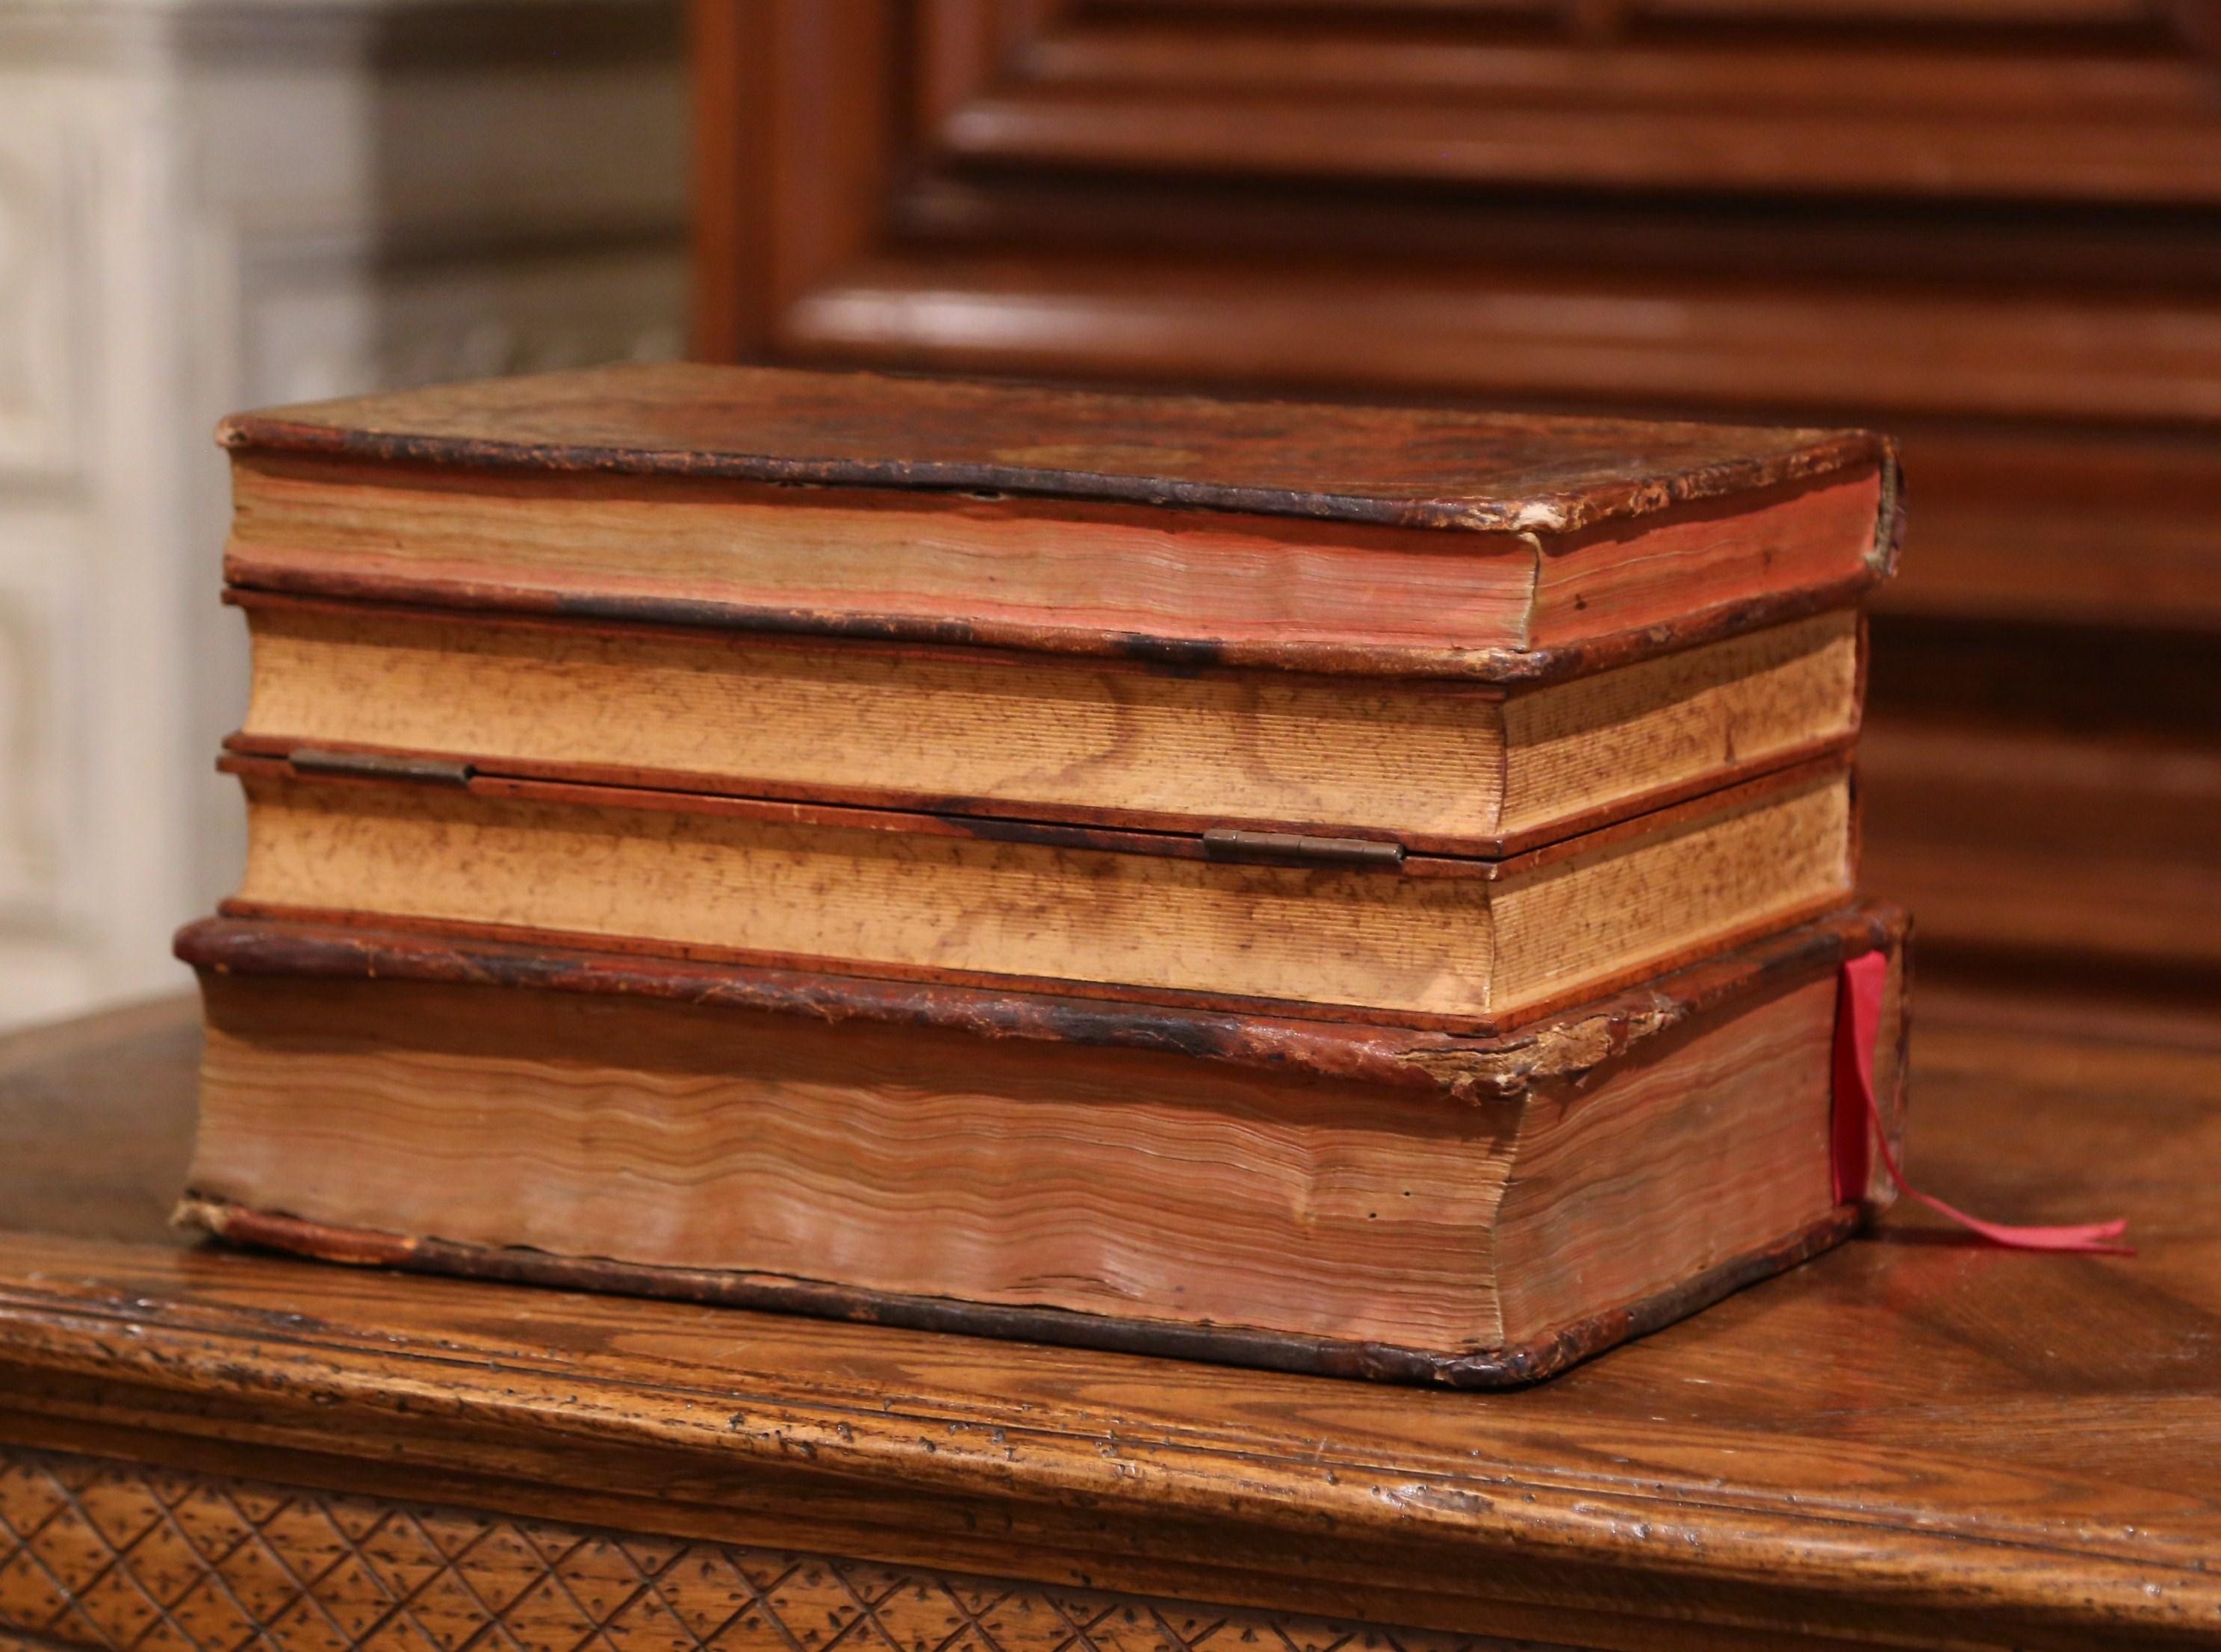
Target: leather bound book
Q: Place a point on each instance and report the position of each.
(1474, 633)
(1376, 1200)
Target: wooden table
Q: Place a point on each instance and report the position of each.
(1911, 1441)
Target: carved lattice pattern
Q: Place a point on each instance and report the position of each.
(129, 1559)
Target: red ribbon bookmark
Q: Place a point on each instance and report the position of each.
(1859, 1128)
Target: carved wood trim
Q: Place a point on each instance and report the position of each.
(125, 1558)
(2100, 100)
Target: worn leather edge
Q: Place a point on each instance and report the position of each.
(1569, 509)
(1462, 1024)
(1464, 1069)
(1511, 1367)
(1889, 518)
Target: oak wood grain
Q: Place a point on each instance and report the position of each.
(1911, 1439)
(120, 1557)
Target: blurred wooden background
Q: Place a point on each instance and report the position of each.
(1993, 226)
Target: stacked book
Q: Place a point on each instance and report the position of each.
(1334, 888)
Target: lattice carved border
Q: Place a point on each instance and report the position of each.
(124, 1558)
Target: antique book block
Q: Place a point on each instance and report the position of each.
(1477, 632)
(1323, 926)
(1449, 765)
(1394, 1202)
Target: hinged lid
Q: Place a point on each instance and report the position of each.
(1415, 542)
(1438, 467)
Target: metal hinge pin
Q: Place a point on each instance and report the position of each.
(1296, 848)
(379, 766)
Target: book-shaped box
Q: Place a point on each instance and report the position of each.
(1397, 1202)
(1424, 716)
(1471, 633)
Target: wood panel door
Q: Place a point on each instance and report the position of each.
(1991, 226)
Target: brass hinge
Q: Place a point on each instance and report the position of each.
(376, 766)
(1295, 849)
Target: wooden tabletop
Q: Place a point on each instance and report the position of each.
(1911, 1439)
